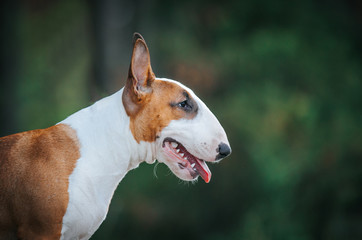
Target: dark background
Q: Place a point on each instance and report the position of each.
(283, 77)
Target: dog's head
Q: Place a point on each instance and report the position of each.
(169, 115)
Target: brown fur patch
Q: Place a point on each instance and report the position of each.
(158, 109)
(34, 178)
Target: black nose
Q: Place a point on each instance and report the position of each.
(224, 150)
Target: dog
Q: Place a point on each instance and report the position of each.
(57, 183)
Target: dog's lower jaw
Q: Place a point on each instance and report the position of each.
(182, 163)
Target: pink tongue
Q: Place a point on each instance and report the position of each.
(203, 170)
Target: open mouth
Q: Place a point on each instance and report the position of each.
(186, 160)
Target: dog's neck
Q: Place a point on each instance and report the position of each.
(105, 127)
(108, 151)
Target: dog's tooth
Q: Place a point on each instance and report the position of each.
(177, 150)
(185, 158)
(174, 144)
(182, 154)
(193, 165)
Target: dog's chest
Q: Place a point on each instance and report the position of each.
(90, 193)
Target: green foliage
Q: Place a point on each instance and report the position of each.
(54, 64)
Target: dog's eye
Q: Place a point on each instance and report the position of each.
(184, 105)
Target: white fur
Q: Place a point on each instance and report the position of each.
(108, 151)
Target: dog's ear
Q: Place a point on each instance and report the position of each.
(140, 69)
(140, 76)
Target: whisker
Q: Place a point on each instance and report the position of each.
(155, 169)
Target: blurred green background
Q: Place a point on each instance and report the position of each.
(283, 77)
